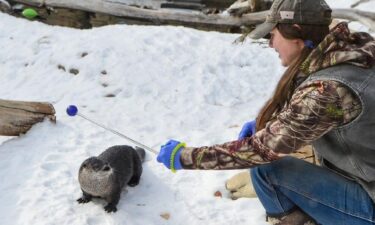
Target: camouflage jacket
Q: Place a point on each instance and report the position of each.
(314, 109)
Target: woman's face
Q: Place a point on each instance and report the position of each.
(288, 49)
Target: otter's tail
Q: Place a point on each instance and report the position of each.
(141, 153)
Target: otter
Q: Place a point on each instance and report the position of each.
(106, 175)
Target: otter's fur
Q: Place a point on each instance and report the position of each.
(106, 175)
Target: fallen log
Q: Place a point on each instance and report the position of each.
(217, 22)
(182, 5)
(358, 3)
(4, 6)
(241, 7)
(199, 20)
(17, 117)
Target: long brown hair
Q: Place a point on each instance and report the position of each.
(285, 87)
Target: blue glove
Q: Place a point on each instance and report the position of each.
(170, 153)
(248, 129)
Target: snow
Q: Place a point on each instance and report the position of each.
(168, 82)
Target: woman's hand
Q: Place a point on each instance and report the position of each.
(170, 154)
(248, 129)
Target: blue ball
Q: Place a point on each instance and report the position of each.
(72, 110)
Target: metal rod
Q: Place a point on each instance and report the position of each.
(119, 134)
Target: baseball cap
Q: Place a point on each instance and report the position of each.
(304, 12)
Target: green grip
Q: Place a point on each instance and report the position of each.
(29, 13)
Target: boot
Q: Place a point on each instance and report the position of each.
(297, 217)
(240, 186)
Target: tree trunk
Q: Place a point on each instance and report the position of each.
(17, 117)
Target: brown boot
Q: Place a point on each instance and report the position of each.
(297, 217)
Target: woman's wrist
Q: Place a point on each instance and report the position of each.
(175, 160)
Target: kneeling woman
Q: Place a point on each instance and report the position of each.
(325, 98)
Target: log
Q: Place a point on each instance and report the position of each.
(240, 8)
(4, 6)
(157, 17)
(195, 20)
(358, 3)
(182, 5)
(17, 117)
(218, 4)
(186, 1)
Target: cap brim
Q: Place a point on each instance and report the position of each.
(262, 30)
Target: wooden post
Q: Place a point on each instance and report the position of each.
(17, 117)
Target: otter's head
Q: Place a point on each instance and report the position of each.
(95, 177)
(95, 165)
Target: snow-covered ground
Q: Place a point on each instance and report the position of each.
(166, 82)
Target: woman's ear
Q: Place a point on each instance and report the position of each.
(299, 42)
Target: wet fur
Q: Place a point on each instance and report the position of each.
(106, 175)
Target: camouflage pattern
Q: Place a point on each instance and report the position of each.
(315, 108)
(342, 46)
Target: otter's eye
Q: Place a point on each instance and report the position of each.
(84, 166)
(106, 168)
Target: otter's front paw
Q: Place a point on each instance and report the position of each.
(83, 200)
(110, 208)
(133, 183)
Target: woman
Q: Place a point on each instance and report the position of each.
(325, 98)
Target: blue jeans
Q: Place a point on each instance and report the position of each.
(329, 198)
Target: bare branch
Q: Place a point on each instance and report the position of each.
(358, 3)
(366, 18)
